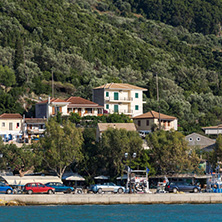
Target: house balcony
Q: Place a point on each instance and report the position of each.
(35, 131)
(124, 111)
(120, 99)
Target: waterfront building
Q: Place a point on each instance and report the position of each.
(120, 98)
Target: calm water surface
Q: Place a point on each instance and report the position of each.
(129, 213)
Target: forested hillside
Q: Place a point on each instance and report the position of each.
(86, 43)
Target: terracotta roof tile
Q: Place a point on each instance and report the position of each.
(78, 102)
(53, 100)
(10, 116)
(154, 115)
(119, 86)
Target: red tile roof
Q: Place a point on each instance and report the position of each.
(10, 116)
(57, 100)
(154, 115)
(79, 100)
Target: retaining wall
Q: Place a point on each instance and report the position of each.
(59, 199)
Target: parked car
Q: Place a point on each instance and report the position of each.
(38, 188)
(182, 186)
(59, 187)
(5, 188)
(107, 187)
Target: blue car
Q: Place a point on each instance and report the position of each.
(59, 187)
(4, 188)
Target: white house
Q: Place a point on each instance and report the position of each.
(50, 107)
(120, 98)
(213, 130)
(11, 127)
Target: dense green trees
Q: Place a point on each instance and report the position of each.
(61, 146)
(170, 153)
(85, 48)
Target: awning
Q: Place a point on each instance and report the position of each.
(72, 176)
(101, 177)
(17, 180)
(124, 177)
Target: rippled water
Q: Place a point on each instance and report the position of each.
(129, 213)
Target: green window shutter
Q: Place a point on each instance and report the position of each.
(116, 96)
(136, 95)
(136, 107)
(107, 106)
(116, 108)
(107, 94)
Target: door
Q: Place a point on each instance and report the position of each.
(116, 108)
(10, 126)
(116, 96)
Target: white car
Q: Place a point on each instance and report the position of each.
(107, 187)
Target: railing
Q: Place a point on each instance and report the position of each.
(120, 99)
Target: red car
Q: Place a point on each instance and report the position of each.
(38, 188)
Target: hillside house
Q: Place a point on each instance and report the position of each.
(11, 127)
(198, 141)
(147, 121)
(120, 98)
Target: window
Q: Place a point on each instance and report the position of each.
(107, 94)
(10, 126)
(147, 122)
(116, 108)
(137, 95)
(198, 138)
(169, 123)
(88, 110)
(107, 106)
(17, 125)
(139, 123)
(136, 107)
(116, 96)
(190, 139)
(3, 124)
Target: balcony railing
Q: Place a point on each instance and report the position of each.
(120, 99)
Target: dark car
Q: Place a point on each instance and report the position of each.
(59, 187)
(182, 186)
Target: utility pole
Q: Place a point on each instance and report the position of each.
(52, 86)
(158, 100)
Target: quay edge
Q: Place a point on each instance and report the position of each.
(106, 199)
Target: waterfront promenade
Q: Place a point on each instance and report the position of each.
(75, 199)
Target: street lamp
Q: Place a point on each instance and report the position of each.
(133, 156)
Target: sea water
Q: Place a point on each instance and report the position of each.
(122, 213)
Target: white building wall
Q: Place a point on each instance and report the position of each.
(127, 101)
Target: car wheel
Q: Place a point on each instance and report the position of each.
(99, 191)
(29, 192)
(79, 191)
(8, 191)
(50, 192)
(120, 190)
(69, 190)
(174, 190)
(195, 190)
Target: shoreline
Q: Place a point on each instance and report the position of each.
(110, 199)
